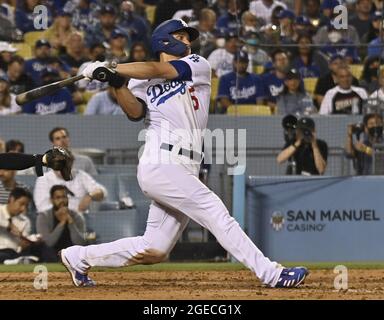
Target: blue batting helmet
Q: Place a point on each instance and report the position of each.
(163, 41)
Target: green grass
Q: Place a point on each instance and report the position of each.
(221, 266)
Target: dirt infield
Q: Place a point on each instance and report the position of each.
(218, 285)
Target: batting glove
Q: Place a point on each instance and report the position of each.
(89, 69)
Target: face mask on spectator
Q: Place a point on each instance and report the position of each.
(334, 36)
(250, 29)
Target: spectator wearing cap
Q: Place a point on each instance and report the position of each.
(286, 19)
(101, 32)
(19, 81)
(221, 59)
(361, 20)
(59, 33)
(191, 16)
(43, 60)
(83, 13)
(118, 44)
(307, 152)
(7, 51)
(207, 38)
(25, 16)
(302, 26)
(58, 103)
(229, 21)
(337, 45)
(104, 103)
(344, 98)
(327, 7)
(274, 80)
(133, 24)
(263, 8)
(8, 103)
(307, 60)
(294, 99)
(239, 86)
(374, 29)
(329, 80)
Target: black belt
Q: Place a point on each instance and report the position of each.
(187, 153)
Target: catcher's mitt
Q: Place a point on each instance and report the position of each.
(60, 159)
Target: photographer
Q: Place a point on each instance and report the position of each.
(307, 154)
(367, 134)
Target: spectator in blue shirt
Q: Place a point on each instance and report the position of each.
(274, 81)
(43, 59)
(229, 21)
(58, 103)
(239, 86)
(82, 12)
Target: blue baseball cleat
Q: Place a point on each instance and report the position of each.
(292, 277)
(78, 279)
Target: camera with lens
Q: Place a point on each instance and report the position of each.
(289, 124)
(358, 129)
(306, 126)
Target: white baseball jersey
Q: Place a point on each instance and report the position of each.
(177, 110)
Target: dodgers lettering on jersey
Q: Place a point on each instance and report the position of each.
(177, 110)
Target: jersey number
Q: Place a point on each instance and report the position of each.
(194, 98)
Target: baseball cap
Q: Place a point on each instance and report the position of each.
(107, 9)
(286, 14)
(230, 35)
(118, 33)
(305, 123)
(302, 21)
(335, 57)
(377, 15)
(329, 4)
(6, 47)
(293, 74)
(42, 42)
(241, 56)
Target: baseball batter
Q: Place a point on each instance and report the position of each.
(173, 95)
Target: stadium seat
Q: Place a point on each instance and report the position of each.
(310, 85)
(150, 11)
(214, 91)
(258, 69)
(249, 110)
(32, 36)
(357, 70)
(113, 225)
(23, 49)
(109, 181)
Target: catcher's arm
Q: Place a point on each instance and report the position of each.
(56, 158)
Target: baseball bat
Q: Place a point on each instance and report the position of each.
(46, 90)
